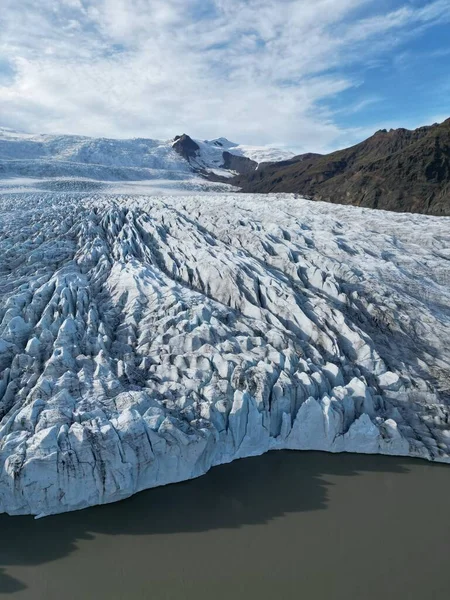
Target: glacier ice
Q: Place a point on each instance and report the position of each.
(145, 339)
(38, 156)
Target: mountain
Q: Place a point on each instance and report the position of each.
(398, 170)
(102, 159)
(214, 152)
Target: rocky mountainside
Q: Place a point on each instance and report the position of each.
(399, 170)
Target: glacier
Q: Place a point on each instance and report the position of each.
(44, 156)
(145, 339)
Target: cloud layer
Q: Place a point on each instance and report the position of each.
(258, 71)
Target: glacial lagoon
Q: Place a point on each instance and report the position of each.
(285, 525)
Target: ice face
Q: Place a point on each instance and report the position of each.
(144, 340)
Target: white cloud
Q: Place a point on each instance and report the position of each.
(254, 70)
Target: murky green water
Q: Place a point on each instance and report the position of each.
(285, 525)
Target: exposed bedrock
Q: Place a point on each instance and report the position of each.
(144, 340)
(186, 147)
(239, 164)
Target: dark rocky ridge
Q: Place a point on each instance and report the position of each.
(240, 164)
(399, 170)
(185, 146)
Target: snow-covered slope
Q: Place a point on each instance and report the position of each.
(211, 153)
(144, 340)
(99, 159)
(50, 156)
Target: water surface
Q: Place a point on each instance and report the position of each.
(285, 525)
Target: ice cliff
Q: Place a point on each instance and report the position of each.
(144, 340)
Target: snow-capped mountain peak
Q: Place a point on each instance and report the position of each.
(222, 143)
(211, 155)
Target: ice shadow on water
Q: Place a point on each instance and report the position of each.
(246, 492)
(9, 585)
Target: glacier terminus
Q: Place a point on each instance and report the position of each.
(146, 337)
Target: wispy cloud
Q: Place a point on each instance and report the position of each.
(255, 70)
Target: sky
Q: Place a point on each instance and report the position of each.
(309, 75)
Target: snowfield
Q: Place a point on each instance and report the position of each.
(146, 339)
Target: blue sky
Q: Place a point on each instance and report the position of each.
(311, 75)
(406, 86)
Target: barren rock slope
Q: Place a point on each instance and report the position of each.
(398, 170)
